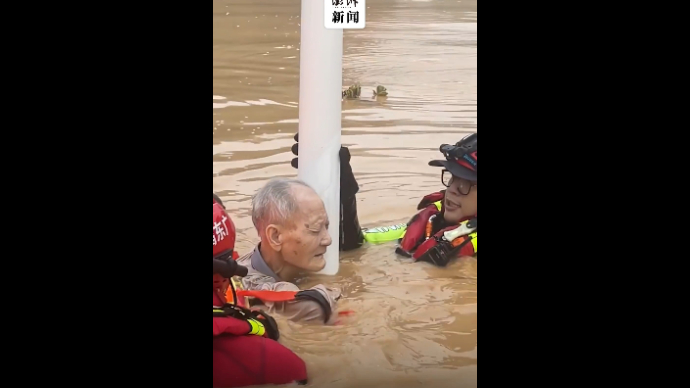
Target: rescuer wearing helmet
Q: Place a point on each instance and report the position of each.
(245, 347)
(446, 223)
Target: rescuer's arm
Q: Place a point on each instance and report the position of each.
(351, 236)
(228, 326)
(315, 305)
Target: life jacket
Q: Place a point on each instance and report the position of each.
(221, 285)
(422, 243)
(246, 351)
(241, 321)
(250, 298)
(225, 290)
(243, 361)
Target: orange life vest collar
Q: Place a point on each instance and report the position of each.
(420, 238)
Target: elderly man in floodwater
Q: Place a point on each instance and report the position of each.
(292, 223)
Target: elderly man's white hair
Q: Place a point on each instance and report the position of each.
(275, 203)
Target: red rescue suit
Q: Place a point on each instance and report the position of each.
(244, 355)
(429, 239)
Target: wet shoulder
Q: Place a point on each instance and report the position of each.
(246, 260)
(254, 280)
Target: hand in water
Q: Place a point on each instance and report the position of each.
(343, 316)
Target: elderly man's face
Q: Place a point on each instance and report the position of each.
(304, 245)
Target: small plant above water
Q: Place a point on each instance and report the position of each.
(353, 91)
(380, 91)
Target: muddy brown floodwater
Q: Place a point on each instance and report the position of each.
(416, 326)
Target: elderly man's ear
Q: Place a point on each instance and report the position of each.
(274, 236)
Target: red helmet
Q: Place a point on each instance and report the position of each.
(223, 232)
